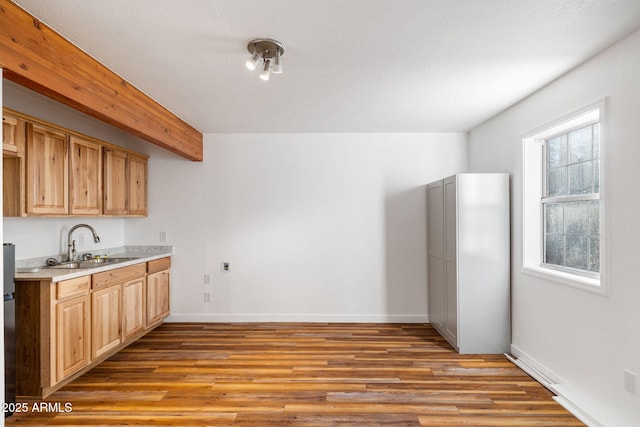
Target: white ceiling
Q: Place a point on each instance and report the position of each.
(349, 65)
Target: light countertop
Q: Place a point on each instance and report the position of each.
(34, 269)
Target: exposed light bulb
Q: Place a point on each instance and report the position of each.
(252, 63)
(277, 65)
(266, 71)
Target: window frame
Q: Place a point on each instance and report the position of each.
(534, 182)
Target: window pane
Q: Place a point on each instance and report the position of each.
(554, 250)
(557, 182)
(594, 218)
(594, 255)
(576, 218)
(553, 219)
(596, 141)
(577, 252)
(572, 222)
(581, 178)
(580, 145)
(557, 151)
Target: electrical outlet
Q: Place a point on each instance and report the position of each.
(208, 297)
(225, 267)
(207, 279)
(630, 382)
(163, 236)
(81, 239)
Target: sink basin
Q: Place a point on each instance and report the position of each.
(96, 262)
(91, 263)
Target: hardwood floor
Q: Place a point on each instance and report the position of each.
(302, 374)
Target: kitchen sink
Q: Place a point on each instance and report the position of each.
(90, 263)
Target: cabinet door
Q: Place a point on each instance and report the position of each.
(157, 296)
(86, 177)
(133, 307)
(450, 251)
(137, 195)
(435, 253)
(47, 171)
(72, 336)
(115, 182)
(12, 135)
(106, 320)
(13, 186)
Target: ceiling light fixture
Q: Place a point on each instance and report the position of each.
(267, 51)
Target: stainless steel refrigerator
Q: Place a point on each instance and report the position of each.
(9, 327)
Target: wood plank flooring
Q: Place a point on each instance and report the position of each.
(301, 375)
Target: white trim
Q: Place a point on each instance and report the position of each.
(314, 318)
(581, 406)
(532, 193)
(564, 278)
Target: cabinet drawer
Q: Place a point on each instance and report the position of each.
(73, 287)
(118, 275)
(158, 265)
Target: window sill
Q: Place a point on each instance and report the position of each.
(568, 279)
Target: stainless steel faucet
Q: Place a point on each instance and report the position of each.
(71, 244)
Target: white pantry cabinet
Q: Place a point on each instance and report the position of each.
(468, 261)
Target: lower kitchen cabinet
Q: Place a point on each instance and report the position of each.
(70, 326)
(158, 283)
(133, 307)
(106, 320)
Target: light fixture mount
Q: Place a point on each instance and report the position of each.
(267, 52)
(268, 47)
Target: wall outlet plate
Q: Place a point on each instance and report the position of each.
(208, 297)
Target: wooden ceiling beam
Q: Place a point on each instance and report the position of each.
(35, 56)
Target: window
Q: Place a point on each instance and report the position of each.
(562, 201)
(571, 200)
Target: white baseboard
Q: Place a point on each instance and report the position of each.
(317, 318)
(582, 406)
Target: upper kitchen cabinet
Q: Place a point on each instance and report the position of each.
(137, 185)
(47, 172)
(52, 171)
(13, 140)
(115, 182)
(12, 136)
(125, 183)
(85, 189)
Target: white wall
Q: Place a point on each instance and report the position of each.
(579, 338)
(316, 226)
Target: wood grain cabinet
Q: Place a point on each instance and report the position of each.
(12, 135)
(85, 186)
(125, 183)
(106, 320)
(137, 185)
(109, 307)
(115, 182)
(52, 171)
(13, 165)
(158, 284)
(47, 154)
(468, 261)
(70, 326)
(133, 307)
